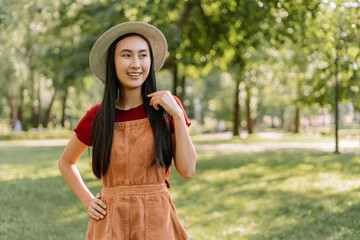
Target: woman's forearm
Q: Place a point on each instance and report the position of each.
(69, 171)
(73, 179)
(184, 150)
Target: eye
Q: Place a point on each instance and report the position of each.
(127, 55)
(143, 55)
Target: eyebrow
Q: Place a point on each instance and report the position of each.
(128, 50)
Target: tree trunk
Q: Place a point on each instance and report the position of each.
(21, 105)
(248, 112)
(40, 116)
(296, 122)
(336, 104)
(13, 112)
(175, 78)
(35, 105)
(183, 83)
(63, 117)
(236, 108)
(35, 116)
(48, 111)
(282, 111)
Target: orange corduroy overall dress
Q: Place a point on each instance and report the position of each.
(137, 199)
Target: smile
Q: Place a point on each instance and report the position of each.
(134, 74)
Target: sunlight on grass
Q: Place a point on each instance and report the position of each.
(255, 195)
(262, 195)
(8, 173)
(330, 183)
(72, 214)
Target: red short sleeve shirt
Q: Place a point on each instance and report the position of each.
(83, 128)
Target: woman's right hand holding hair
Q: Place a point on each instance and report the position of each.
(96, 208)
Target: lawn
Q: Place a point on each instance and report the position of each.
(262, 195)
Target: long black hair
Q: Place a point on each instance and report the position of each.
(103, 126)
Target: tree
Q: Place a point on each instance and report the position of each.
(338, 43)
(247, 24)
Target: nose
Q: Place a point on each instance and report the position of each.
(135, 62)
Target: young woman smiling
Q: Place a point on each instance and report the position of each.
(135, 132)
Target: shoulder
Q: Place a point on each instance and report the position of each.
(83, 128)
(92, 112)
(89, 116)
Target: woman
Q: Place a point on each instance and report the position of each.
(135, 132)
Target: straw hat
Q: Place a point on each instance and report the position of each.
(99, 51)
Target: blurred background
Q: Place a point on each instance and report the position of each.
(240, 67)
(268, 85)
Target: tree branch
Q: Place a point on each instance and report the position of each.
(171, 61)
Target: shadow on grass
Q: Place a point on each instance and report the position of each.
(35, 201)
(43, 208)
(262, 195)
(322, 225)
(266, 194)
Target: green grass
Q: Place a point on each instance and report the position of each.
(286, 137)
(262, 195)
(272, 195)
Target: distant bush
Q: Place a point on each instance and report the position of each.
(37, 134)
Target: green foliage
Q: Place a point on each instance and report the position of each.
(337, 38)
(283, 52)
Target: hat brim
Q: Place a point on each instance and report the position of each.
(99, 51)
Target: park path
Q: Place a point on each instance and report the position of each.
(34, 143)
(273, 146)
(344, 146)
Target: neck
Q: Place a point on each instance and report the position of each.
(130, 99)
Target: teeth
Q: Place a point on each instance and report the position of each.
(134, 74)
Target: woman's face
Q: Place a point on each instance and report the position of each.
(132, 62)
